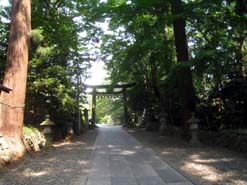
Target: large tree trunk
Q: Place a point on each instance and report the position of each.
(241, 10)
(185, 83)
(12, 104)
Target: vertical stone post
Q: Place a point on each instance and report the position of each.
(163, 123)
(126, 115)
(94, 107)
(86, 118)
(79, 122)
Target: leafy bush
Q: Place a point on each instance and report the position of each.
(29, 130)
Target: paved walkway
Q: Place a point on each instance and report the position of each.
(120, 159)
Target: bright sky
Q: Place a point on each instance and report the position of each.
(3, 2)
(97, 73)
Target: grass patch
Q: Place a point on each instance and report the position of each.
(27, 129)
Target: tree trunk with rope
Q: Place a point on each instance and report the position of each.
(12, 104)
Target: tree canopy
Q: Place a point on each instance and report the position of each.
(139, 42)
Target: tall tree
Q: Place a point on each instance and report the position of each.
(12, 105)
(241, 10)
(185, 83)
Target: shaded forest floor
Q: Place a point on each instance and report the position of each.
(202, 165)
(66, 163)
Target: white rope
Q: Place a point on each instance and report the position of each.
(13, 107)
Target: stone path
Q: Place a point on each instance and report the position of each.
(119, 159)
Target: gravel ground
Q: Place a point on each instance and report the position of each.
(65, 164)
(202, 165)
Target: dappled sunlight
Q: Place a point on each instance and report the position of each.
(68, 143)
(166, 153)
(110, 146)
(138, 147)
(210, 173)
(128, 152)
(208, 170)
(131, 131)
(240, 182)
(83, 162)
(208, 165)
(55, 165)
(51, 159)
(30, 173)
(212, 160)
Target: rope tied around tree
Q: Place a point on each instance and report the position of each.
(13, 107)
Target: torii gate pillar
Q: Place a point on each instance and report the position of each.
(94, 107)
(126, 115)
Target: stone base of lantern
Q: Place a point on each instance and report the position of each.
(194, 142)
(48, 140)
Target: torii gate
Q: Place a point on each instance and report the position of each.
(123, 91)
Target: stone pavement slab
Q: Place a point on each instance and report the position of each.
(123, 181)
(120, 159)
(151, 181)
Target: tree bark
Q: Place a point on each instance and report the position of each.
(185, 82)
(241, 10)
(12, 104)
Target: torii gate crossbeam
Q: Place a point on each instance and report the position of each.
(124, 88)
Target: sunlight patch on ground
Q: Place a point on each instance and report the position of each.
(212, 160)
(209, 173)
(128, 152)
(240, 182)
(68, 143)
(138, 147)
(29, 173)
(166, 153)
(110, 146)
(51, 159)
(83, 162)
(204, 169)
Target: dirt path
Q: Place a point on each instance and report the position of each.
(202, 165)
(66, 164)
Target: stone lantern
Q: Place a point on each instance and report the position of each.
(47, 129)
(85, 111)
(133, 118)
(193, 121)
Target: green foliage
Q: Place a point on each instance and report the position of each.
(56, 66)
(28, 129)
(109, 110)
